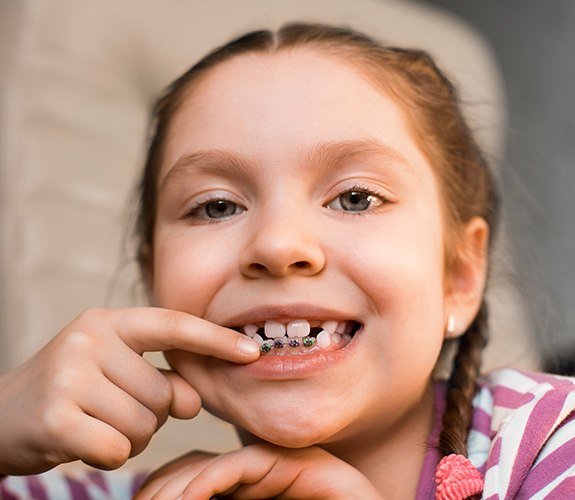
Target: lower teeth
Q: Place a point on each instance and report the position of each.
(286, 346)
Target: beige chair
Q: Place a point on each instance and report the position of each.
(77, 80)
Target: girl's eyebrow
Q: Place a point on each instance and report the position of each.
(214, 161)
(324, 158)
(335, 154)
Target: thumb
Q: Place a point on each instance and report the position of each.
(186, 402)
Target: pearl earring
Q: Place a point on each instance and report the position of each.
(450, 329)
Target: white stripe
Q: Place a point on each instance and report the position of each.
(483, 400)
(491, 482)
(513, 379)
(478, 445)
(120, 484)
(55, 485)
(17, 486)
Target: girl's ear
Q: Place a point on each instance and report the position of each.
(465, 284)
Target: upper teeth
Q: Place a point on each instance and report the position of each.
(295, 328)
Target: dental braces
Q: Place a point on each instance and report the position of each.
(270, 344)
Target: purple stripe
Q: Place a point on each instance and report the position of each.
(426, 484)
(137, 481)
(97, 478)
(552, 466)
(506, 397)
(540, 422)
(37, 490)
(494, 454)
(482, 422)
(5, 494)
(565, 489)
(77, 489)
(546, 378)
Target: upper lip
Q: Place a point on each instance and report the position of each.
(286, 313)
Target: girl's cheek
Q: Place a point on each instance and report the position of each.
(186, 274)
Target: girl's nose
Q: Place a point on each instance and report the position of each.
(280, 247)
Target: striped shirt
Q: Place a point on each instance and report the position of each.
(522, 440)
(522, 437)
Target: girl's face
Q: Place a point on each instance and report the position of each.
(293, 191)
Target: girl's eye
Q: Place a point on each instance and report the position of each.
(215, 209)
(356, 200)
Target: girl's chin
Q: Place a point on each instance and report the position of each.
(287, 438)
(290, 430)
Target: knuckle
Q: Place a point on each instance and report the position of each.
(79, 341)
(62, 383)
(54, 422)
(117, 453)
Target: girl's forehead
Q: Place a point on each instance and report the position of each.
(273, 104)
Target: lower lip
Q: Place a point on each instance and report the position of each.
(272, 367)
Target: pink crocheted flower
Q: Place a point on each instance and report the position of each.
(457, 479)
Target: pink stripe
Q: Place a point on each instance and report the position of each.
(137, 481)
(97, 478)
(505, 397)
(552, 466)
(482, 422)
(5, 493)
(77, 489)
(540, 422)
(37, 489)
(565, 489)
(495, 454)
(548, 379)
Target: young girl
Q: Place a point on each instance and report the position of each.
(315, 223)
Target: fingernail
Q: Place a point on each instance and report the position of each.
(247, 346)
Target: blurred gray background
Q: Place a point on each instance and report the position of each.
(534, 43)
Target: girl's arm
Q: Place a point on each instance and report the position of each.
(260, 471)
(89, 395)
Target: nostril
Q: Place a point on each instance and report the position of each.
(302, 264)
(257, 267)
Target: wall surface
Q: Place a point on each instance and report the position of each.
(534, 43)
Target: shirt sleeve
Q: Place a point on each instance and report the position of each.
(553, 473)
(532, 453)
(55, 485)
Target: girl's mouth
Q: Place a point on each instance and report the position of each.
(300, 336)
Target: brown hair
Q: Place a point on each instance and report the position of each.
(434, 115)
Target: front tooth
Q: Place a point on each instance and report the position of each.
(298, 328)
(323, 339)
(330, 326)
(274, 330)
(250, 330)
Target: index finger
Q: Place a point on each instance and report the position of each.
(146, 329)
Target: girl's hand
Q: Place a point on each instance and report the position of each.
(89, 394)
(259, 471)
